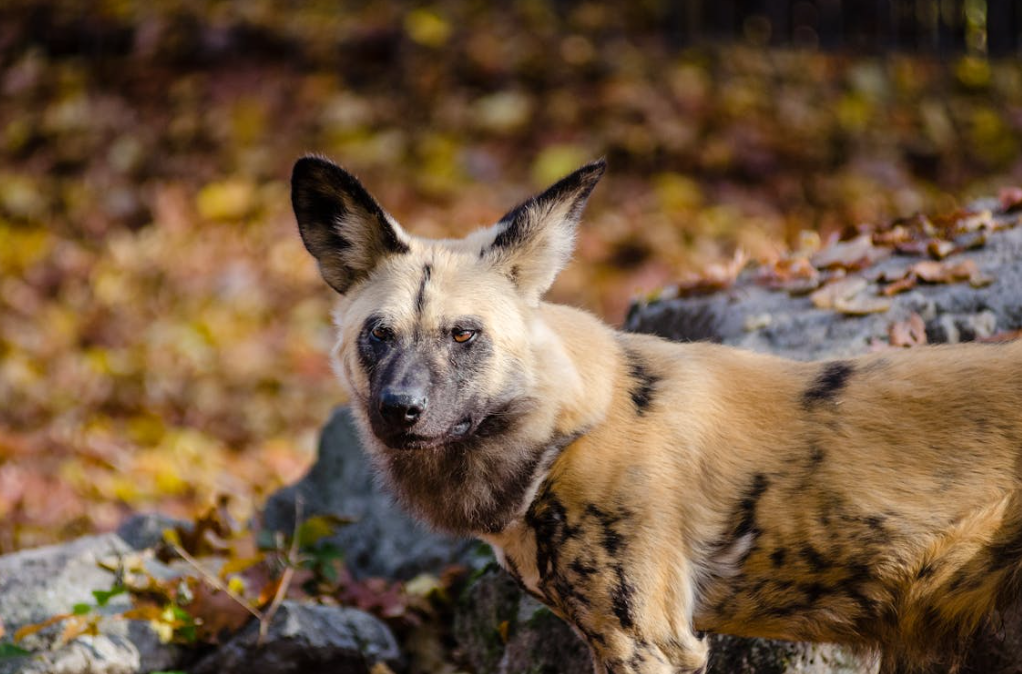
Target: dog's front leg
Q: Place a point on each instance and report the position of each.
(621, 653)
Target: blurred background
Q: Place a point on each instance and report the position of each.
(164, 335)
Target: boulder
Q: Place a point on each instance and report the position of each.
(43, 582)
(306, 639)
(383, 541)
(501, 630)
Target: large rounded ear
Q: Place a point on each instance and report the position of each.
(341, 224)
(534, 241)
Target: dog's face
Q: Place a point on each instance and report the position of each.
(436, 337)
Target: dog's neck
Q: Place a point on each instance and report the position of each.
(575, 367)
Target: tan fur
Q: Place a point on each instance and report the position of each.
(677, 488)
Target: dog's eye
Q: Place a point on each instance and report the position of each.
(381, 334)
(463, 336)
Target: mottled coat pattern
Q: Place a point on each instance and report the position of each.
(649, 491)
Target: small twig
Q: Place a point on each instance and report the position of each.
(285, 578)
(215, 582)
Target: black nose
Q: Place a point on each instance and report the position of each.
(402, 408)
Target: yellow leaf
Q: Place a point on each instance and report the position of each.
(172, 537)
(29, 630)
(227, 200)
(503, 629)
(236, 585)
(75, 627)
(239, 564)
(427, 27)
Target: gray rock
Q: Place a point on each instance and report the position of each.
(538, 642)
(733, 655)
(43, 582)
(309, 639)
(383, 541)
(769, 321)
(146, 529)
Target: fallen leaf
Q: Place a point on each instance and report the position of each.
(939, 248)
(861, 304)
(907, 333)
(851, 255)
(901, 285)
(1007, 336)
(1010, 198)
(827, 296)
(28, 630)
(944, 272)
(503, 628)
(216, 613)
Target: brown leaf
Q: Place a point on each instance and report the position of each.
(1011, 199)
(28, 630)
(852, 255)
(503, 628)
(216, 613)
(901, 285)
(940, 249)
(907, 333)
(1008, 336)
(944, 272)
(916, 247)
(828, 296)
(861, 304)
(79, 625)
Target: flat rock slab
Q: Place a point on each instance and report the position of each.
(306, 639)
(383, 541)
(753, 317)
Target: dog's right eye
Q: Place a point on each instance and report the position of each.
(381, 334)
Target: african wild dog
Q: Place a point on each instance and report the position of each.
(647, 490)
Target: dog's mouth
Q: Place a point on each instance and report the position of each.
(459, 432)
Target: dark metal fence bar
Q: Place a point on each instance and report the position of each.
(942, 27)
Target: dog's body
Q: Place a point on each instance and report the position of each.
(646, 490)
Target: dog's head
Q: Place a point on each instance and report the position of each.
(435, 342)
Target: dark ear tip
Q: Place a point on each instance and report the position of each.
(311, 164)
(592, 172)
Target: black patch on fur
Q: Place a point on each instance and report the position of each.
(814, 591)
(643, 382)
(746, 516)
(611, 540)
(420, 298)
(1007, 552)
(832, 378)
(817, 455)
(816, 561)
(581, 569)
(370, 351)
(623, 599)
(777, 557)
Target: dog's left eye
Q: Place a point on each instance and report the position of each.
(463, 336)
